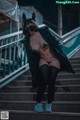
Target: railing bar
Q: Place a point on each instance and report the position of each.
(20, 56)
(12, 43)
(71, 32)
(69, 38)
(14, 54)
(55, 33)
(0, 61)
(24, 56)
(73, 52)
(5, 56)
(4, 67)
(67, 34)
(0, 54)
(9, 62)
(10, 35)
(27, 65)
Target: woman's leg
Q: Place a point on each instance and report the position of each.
(51, 84)
(44, 71)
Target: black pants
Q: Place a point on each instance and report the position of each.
(49, 74)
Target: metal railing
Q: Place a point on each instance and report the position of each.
(12, 57)
(68, 39)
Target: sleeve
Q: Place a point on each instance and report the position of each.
(53, 41)
(33, 58)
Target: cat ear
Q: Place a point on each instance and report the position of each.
(24, 21)
(24, 17)
(33, 16)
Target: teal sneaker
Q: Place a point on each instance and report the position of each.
(38, 108)
(48, 107)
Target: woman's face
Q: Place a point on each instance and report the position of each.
(29, 25)
(31, 28)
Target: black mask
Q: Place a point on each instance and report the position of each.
(31, 28)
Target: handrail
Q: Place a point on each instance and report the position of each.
(43, 25)
(27, 65)
(68, 36)
(61, 37)
(13, 59)
(10, 35)
(12, 43)
(71, 32)
(57, 35)
(73, 52)
(14, 54)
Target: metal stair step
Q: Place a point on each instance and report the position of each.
(30, 115)
(29, 89)
(75, 62)
(76, 58)
(57, 106)
(61, 76)
(58, 82)
(28, 96)
(59, 88)
(19, 98)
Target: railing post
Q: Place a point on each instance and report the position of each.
(10, 28)
(60, 20)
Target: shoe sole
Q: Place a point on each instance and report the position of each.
(39, 111)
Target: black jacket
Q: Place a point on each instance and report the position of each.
(33, 58)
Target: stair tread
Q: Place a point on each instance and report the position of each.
(65, 104)
(54, 102)
(53, 113)
(75, 79)
(28, 93)
(63, 74)
(55, 86)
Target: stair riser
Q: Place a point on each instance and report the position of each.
(77, 70)
(57, 106)
(30, 107)
(29, 89)
(24, 116)
(29, 83)
(68, 76)
(68, 82)
(61, 87)
(75, 62)
(73, 59)
(58, 89)
(30, 97)
(58, 77)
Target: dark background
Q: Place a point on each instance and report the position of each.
(49, 10)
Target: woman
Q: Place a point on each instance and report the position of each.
(45, 58)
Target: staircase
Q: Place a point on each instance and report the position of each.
(19, 99)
